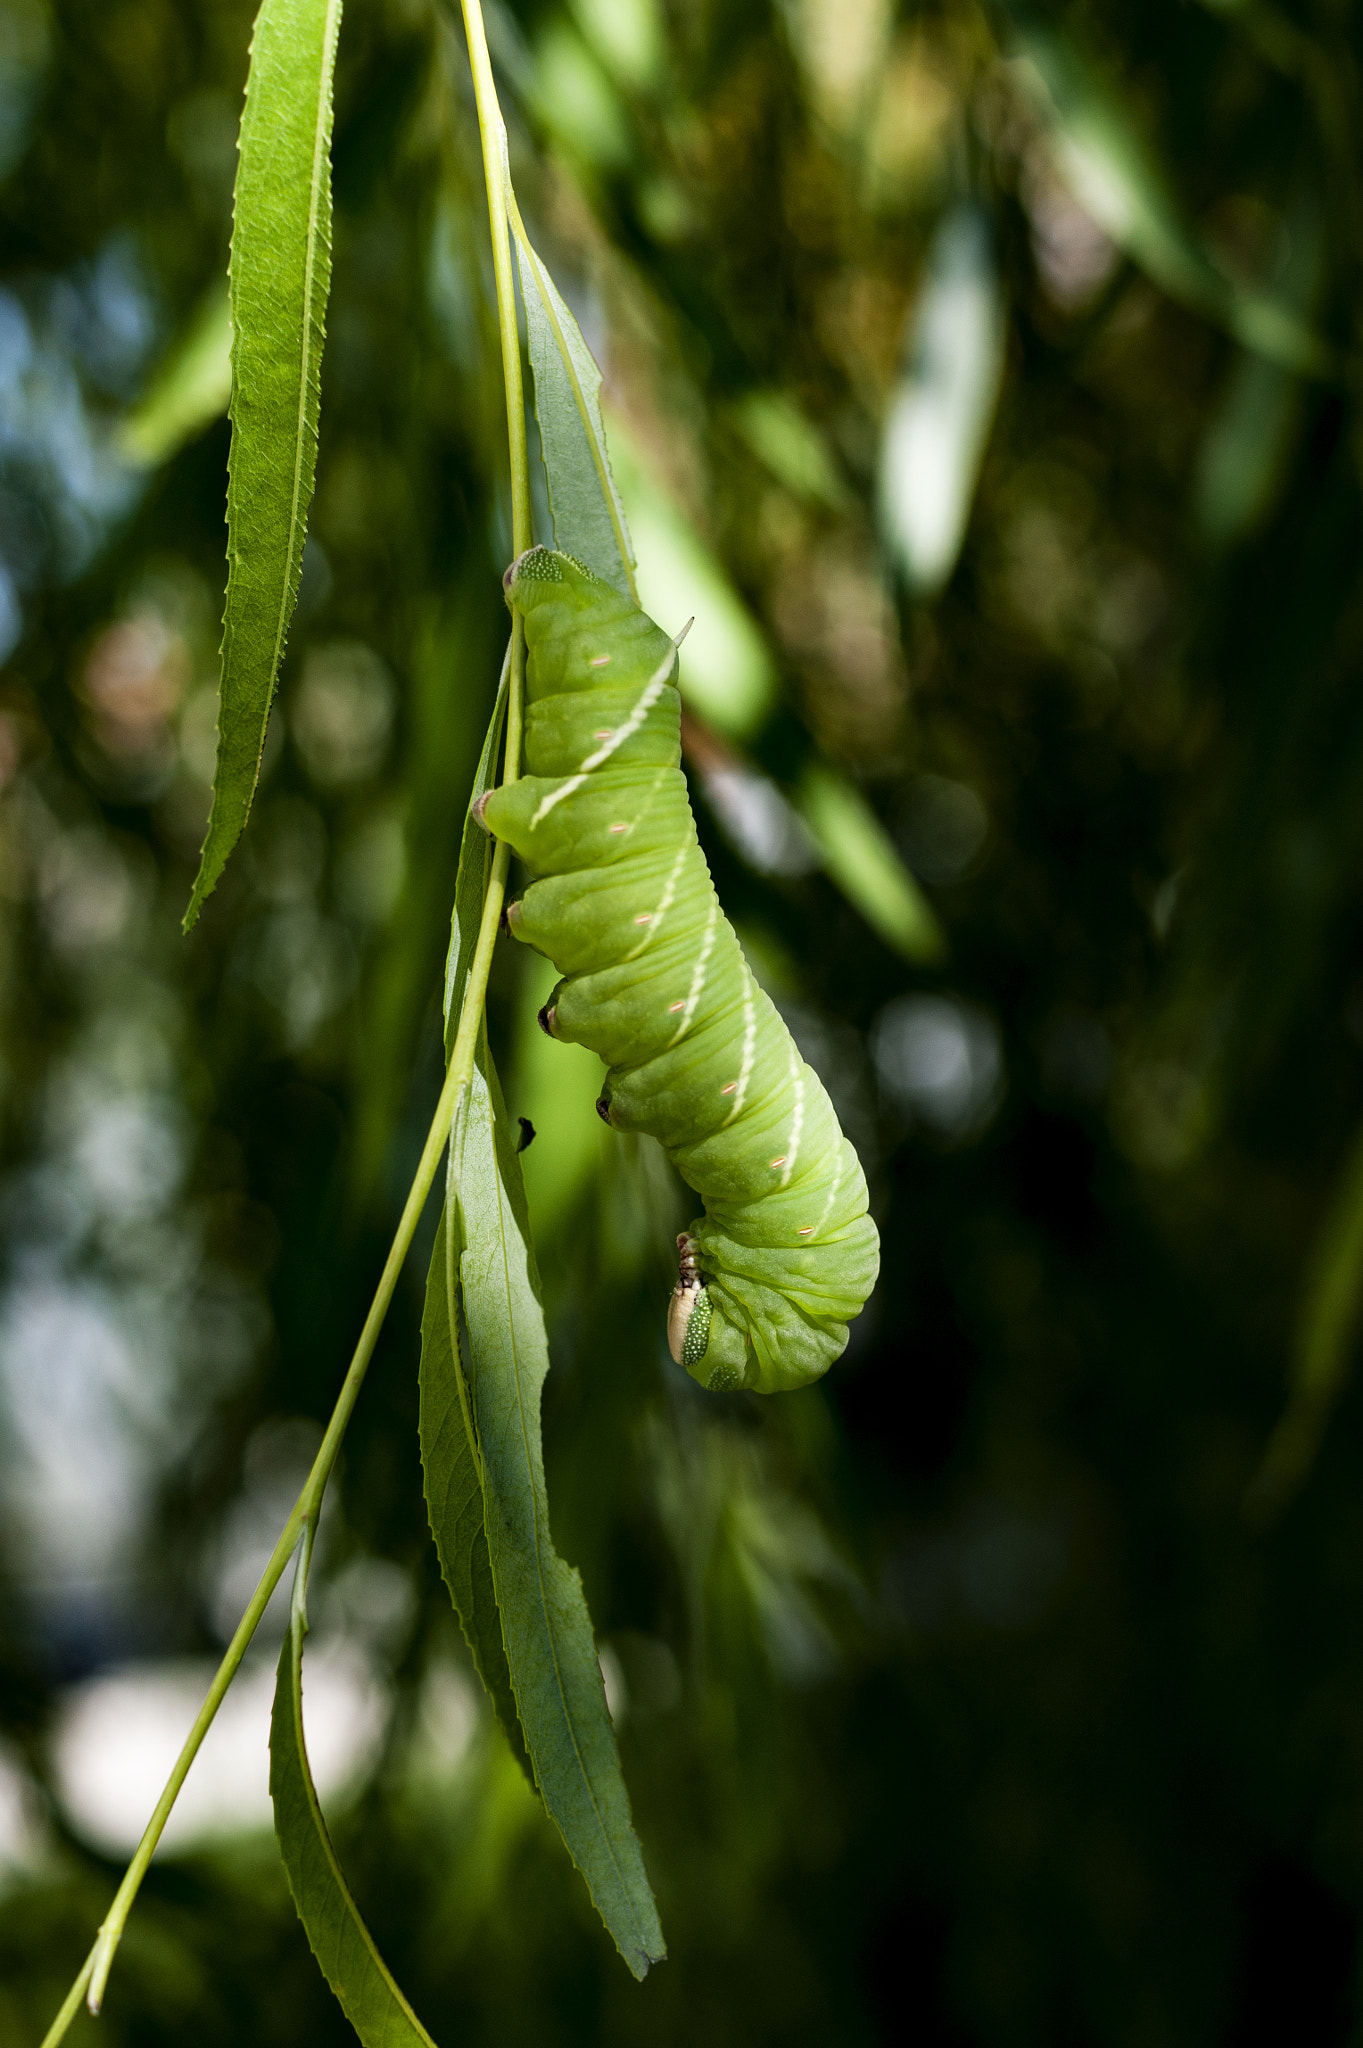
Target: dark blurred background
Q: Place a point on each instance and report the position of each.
(1006, 1688)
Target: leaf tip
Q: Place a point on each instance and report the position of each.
(205, 882)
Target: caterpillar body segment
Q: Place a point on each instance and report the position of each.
(621, 900)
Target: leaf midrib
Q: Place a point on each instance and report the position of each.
(308, 353)
(584, 412)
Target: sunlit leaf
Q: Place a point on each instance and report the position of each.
(576, 100)
(280, 274)
(727, 675)
(1116, 175)
(589, 518)
(866, 865)
(940, 417)
(190, 389)
(629, 39)
(339, 1939)
(780, 436)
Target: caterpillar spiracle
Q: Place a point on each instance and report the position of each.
(655, 982)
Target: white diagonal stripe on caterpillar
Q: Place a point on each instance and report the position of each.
(652, 691)
(664, 903)
(698, 977)
(556, 796)
(813, 1229)
(749, 1043)
(797, 1122)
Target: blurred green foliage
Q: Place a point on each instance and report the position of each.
(994, 1692)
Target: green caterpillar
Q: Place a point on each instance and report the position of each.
(655, 982)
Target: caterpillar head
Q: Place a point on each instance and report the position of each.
(540, 564)
(535, 565)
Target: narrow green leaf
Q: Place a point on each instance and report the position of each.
(589, 519)
(454, 1488)
(1246, 452)
(865, 863)
(280, 273)
(337, 1935)
(727, 674)
(791, 447)
(938, 424)
(521, 1608)
(191, 387)
(449, 1452)
(1117, 176)
(545, 1623)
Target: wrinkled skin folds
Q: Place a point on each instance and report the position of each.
(654, 981)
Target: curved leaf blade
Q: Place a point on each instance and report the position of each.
(338, 1937)
(452, 1474)
(280, 273)
(1116, 175)
(589, 518)
(191, 388)
(938, 425)
(867, 866)
(451, 1467)
(520, 1606)
(727, 674)
(545, 1624)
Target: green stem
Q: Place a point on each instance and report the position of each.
(500, 200)
(497, 175)
(95, 1973)
(70, 2005)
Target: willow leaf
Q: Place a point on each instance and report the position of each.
(866, 864)
(280, 273)
(521, 1607)
(545, 1624)
(449, 1452)
(338, 1937)
(1116, 175)
(938, 424)
(191, 388)
(589, 519)
(453, 1480)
